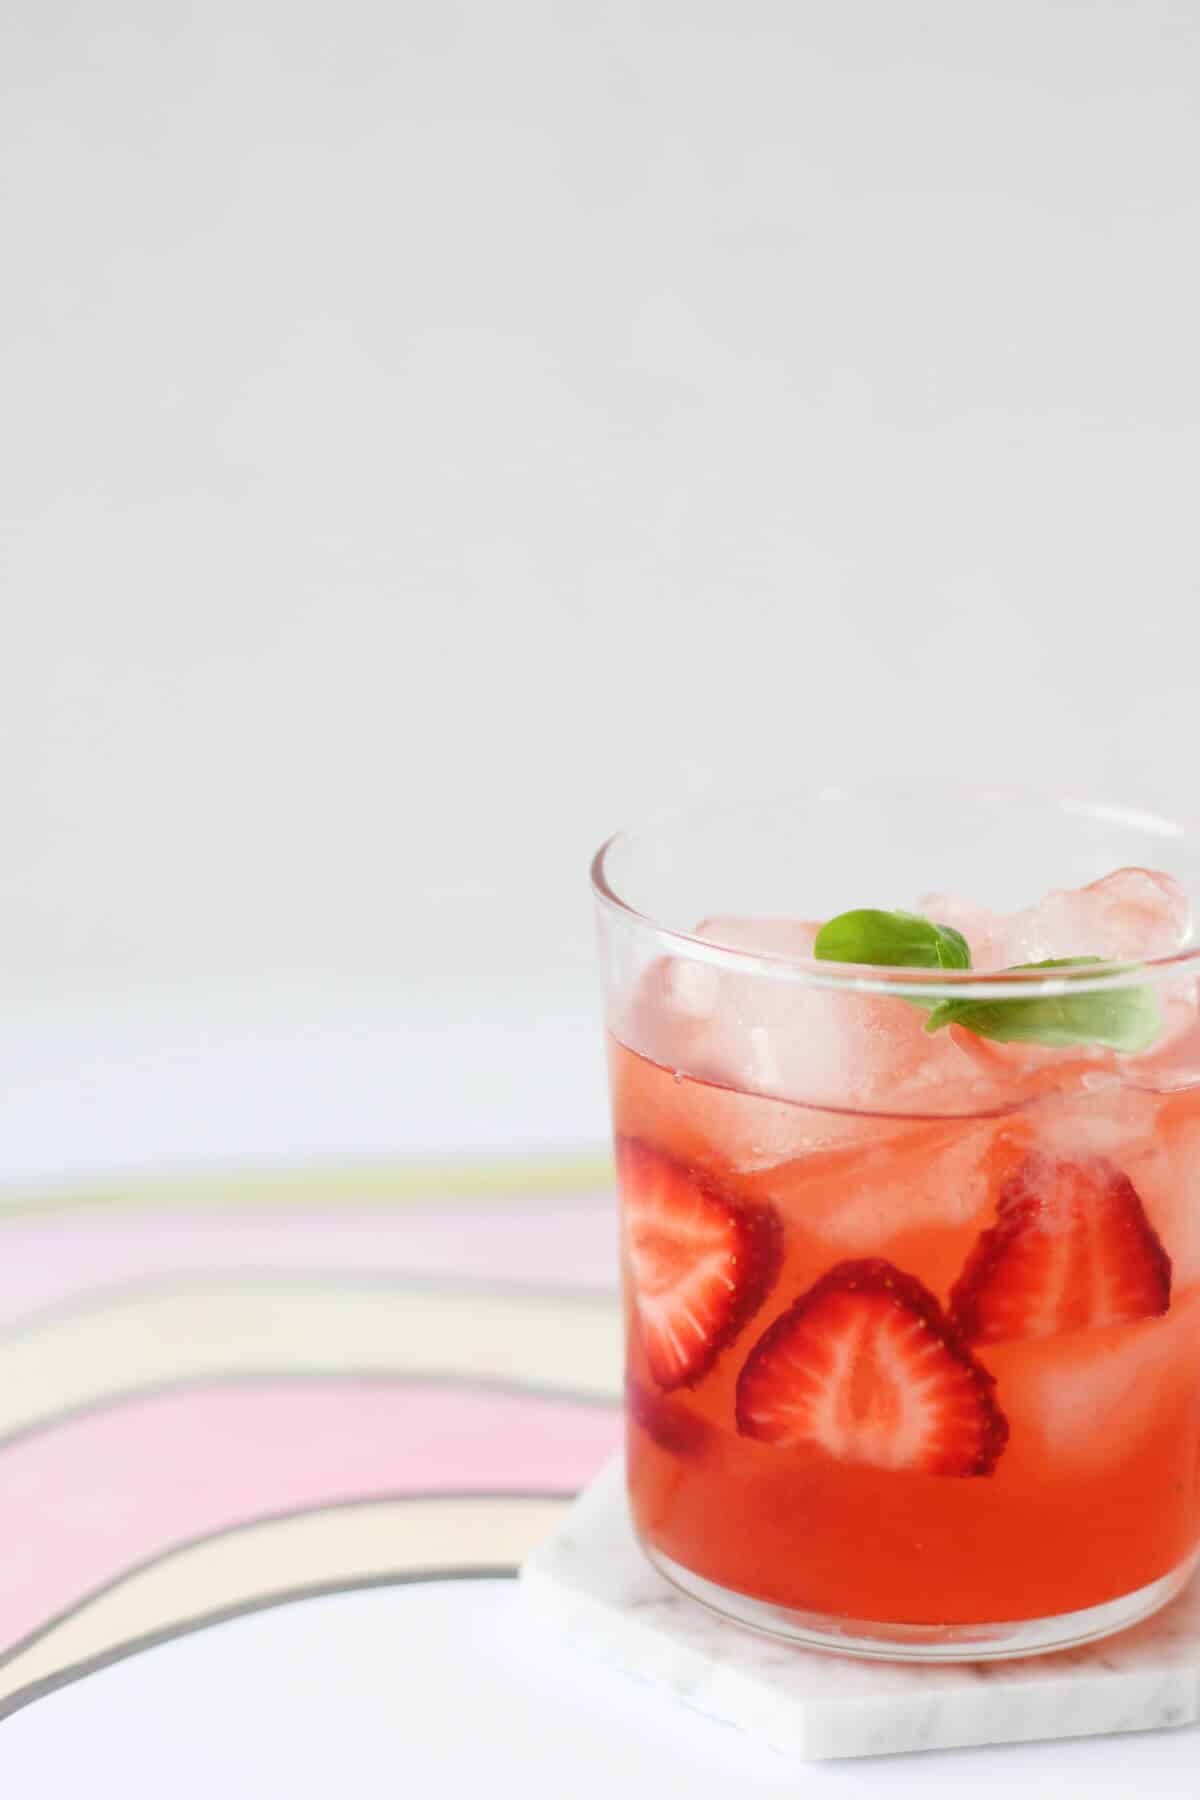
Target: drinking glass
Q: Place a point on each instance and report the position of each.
(912, 1307)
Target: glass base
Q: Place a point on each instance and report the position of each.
(929, 1643)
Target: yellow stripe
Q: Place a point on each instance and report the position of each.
(333, 1548)
(367, 1184)
(71, 1360)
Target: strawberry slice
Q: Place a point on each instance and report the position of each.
(701, 1262)
(667, 1420)
(1071, 1248)
(866, 1365)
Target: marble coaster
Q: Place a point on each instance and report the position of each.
(591, 1579)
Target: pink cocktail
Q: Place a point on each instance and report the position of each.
(911, 1248)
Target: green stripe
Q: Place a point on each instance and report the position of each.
(371, 1184)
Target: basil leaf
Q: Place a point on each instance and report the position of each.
(898, 940)
(1125, 1019)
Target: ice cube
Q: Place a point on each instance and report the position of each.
(822, 1048)
(939, 1180)
(1166, 1173)
(657, 1095)
(1129, 915)
(809, 1044)
(762, 937)
(1173, 1060)
(679, 1094)
(1088, 1400)
(981, 928)
(1113, 1122)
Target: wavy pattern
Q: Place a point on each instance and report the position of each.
(275, 1560)
(67, 1361)
(475, 1183)
(206, 1409)
(49, 1261)
(218, 1452)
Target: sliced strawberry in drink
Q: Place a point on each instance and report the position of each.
(1071, 1248)
(667, 1420)
(866, 1365)
(701, 1261)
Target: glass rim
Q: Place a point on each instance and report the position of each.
(901, 983)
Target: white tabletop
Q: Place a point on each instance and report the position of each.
(449, 1688)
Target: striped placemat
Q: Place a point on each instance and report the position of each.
(226, 1391)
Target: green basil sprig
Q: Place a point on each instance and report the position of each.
(1127, 1020)
(900, 940)
(1124, 1019)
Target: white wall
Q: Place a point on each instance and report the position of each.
(433, 434)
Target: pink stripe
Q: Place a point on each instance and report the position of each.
(79, 1505)
(45, 1261)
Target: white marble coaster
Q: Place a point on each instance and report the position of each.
(592, 1580)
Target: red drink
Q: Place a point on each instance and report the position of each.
(1103, 1424)
(920, 1373)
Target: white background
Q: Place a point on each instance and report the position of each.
(434, 434)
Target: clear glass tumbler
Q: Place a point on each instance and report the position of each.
(911, 1254)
